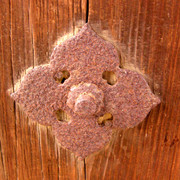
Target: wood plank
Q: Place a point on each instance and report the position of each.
(146, 33)
(7, 117)
(29, 32)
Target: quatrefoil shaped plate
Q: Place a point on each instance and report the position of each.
(84, 94)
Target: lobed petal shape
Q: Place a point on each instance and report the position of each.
(85, 57)
(130, 99)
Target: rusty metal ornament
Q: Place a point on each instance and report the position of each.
(72, 88)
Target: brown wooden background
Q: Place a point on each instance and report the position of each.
(147, 33)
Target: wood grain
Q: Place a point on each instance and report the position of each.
(29, 31)
(146, 32)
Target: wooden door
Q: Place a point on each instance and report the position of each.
(146, 33)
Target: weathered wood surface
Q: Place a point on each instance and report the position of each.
(29, 31)
(146, 32)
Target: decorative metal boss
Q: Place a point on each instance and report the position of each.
(84, 95)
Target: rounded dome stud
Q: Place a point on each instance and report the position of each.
(85, 99)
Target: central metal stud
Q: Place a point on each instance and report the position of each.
(85, 99)
(85, 104)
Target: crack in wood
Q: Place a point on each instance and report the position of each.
(87, 11)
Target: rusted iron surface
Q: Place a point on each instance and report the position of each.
(73, 83)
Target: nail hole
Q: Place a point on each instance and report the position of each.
(62, 116)
(62, 76)
(106, 118)
(110, 77)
